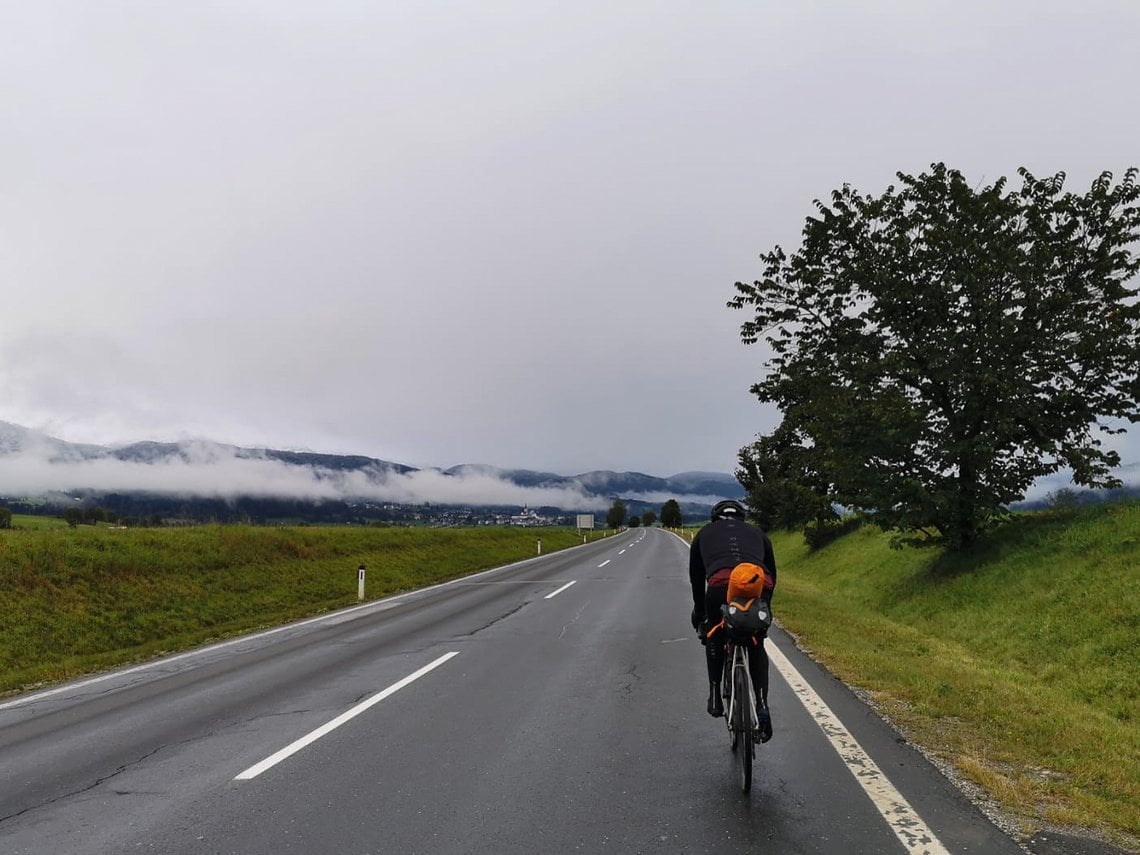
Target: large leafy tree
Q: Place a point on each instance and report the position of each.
(938, 348)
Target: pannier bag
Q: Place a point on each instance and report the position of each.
(746, 582)
(745, 619)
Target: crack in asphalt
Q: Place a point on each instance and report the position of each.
(98, 782)
(491, 623)
(572, 620)
(123, 768)
(627, 686)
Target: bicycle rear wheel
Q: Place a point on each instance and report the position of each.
(742, 725)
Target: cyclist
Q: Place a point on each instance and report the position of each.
(728, 540)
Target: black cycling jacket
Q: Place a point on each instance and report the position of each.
(723, 544)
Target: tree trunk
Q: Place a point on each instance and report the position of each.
(966, 517)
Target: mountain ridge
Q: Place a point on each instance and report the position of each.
(18, 440)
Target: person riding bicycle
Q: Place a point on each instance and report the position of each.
(728, 540)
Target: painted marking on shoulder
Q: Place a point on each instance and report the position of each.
(904, 821)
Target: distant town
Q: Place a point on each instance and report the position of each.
(442, 516)
(137, 510)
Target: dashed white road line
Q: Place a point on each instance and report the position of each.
(325, 729)
(604, 563)
(914, 834)
(554, 594)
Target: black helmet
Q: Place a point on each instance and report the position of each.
(729, 509)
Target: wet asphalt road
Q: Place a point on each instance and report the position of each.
(569, 719)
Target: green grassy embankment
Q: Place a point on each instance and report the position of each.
(1019, 664)
(73, 601)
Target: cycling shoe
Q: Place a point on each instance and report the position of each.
(716, 705)
(765, 728)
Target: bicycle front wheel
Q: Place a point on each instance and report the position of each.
(742, 725)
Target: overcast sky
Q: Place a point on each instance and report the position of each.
(487, 232)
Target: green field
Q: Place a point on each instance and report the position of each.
(1018, 665)
(25, 521)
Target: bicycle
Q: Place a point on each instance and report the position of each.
(743, 626)
(740, 712)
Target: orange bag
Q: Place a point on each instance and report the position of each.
(746, 582)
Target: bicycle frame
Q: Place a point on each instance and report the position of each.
(743, 723)
(736, 661)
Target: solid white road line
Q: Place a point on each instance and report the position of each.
(554, 594)
(900, 816)
(325, 729)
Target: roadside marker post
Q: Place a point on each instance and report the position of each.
(360, 582)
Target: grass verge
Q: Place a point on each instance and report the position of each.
(73, 601)
(1016, 664)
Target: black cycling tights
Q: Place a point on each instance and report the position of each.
(757, 664)
(715, 596)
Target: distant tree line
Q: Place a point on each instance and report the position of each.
(619, 515)
(149, 510)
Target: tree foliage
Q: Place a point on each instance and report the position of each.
(5, 517)
(938, 348)
(785, 488)
(95, 514)
(648, 518)
(615, 517)
(671, 514)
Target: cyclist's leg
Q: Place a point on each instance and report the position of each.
(758, 670)
(715, 596)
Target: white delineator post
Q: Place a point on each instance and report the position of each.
(540, 546)
(360, 582)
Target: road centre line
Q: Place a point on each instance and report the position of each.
(622, 552)
(903, 820)
(325, 729)
(554, 594)
(604, 563)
